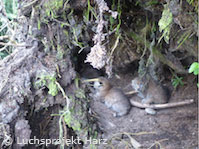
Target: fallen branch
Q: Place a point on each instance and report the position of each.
(131, 92)
(161, 106)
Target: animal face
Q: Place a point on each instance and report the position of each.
(137, 84)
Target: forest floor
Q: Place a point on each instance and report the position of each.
(169, 128)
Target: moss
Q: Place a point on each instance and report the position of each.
(71, 122)
(76, 126)
(77, 119)
(79, 93)
(67, 119)
(49, 81)
(165, 23)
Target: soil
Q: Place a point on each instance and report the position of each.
(168, 129)
(53, 47)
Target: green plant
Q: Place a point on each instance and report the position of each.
(50, 82)
(119, 10)
(176, 81)
(111, 19)
(194, 68)
(184, 37)
(90, 12)
(113, 23)
(52, 7)
(194, 3)
(165, 23)
(11, 8)
(7, 25)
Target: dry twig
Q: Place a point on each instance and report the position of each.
(161, 106)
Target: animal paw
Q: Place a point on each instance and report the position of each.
(150, 111)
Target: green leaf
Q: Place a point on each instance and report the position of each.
(176, 81)
(194, 68)
(165, 23)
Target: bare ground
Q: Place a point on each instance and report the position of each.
(174, 128)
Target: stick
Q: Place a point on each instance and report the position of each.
(131, 92)
(161, 106)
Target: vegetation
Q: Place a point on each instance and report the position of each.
(49, 81)
(116, 36)
(194, 68)
(165, 23)
(176, 81)
(7, 25)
